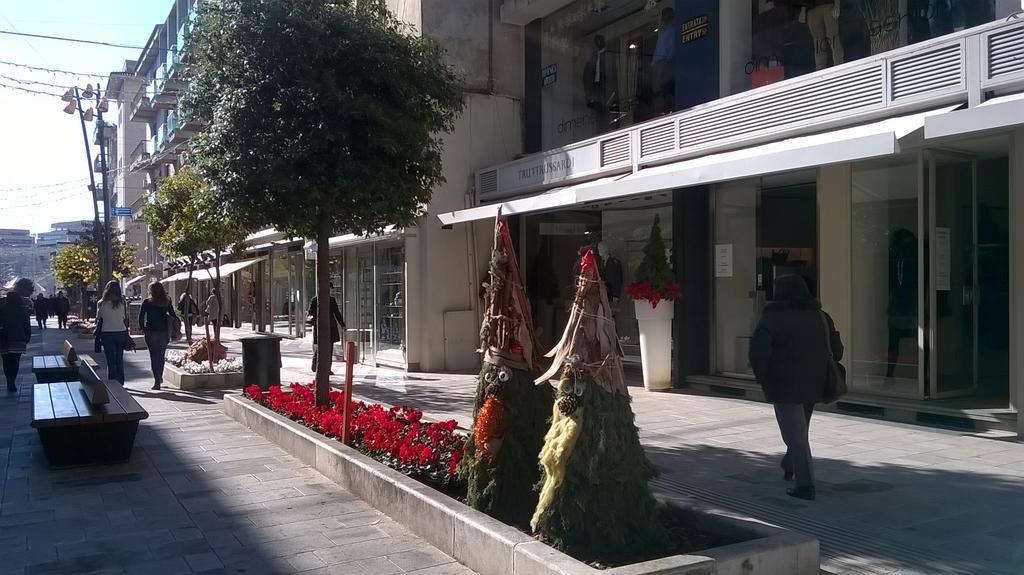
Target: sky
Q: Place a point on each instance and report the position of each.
(43, 170)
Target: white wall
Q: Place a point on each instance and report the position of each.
(834, 247)
(735, 306)
(445, 276)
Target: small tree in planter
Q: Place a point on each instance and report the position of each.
(510, 414)
(653, 285)
(595, 503)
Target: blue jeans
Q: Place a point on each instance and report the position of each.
(113, 349)
(156, 342)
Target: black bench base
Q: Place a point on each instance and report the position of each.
(90, 443)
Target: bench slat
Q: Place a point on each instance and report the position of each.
(38, 363)
(87, 413)
(131, 408)
(50, 361)
(63, 405)
(42, 408)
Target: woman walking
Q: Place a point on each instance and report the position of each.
(15, 329)
(790, 354)
(112, 327)
(156, 317)
(189, 310)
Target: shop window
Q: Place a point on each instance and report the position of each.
(390, 303)
(764, 229)
(618, 235)
(606, 64)
(886, 237)
(794, 37)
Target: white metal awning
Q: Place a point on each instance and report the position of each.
(134, 280)
(878, 139)
(549, 200)
(995, 114)
(211, 273)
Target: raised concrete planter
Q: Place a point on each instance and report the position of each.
(176, 377)
(490, 547)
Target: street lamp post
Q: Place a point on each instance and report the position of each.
(102, 235)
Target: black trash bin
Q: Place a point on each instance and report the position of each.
(261, 360)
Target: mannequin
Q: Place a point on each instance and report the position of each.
(610, 269)
(599, 83)
(822, 18)
(902, 293)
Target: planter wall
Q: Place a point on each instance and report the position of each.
(176, 377)
(490, 547)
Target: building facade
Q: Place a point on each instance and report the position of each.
(871, 146)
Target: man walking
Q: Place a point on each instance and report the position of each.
(61, 307)
(337, 324)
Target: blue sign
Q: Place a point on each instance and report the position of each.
(696, 52)
(122, 211)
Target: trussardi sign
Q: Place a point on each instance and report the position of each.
(545, 170)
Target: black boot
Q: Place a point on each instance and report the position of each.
(805, 492)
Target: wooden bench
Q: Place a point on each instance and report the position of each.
(85, 421)
(57, 368)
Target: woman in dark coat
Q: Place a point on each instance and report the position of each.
(337, 324)
(790, 356)
(15, 329)
(42, 306)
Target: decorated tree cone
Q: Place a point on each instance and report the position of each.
(510, 415)
(595, 503)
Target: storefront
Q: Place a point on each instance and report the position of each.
(887, 183)
(610, 64)
(368, 279)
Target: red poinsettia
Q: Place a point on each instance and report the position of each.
(396, 436)
(644, 290)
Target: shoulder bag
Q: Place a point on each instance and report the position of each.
(835, 379)
(129, 343)
(97, 342)
(173, 324)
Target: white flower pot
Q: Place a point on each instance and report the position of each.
(655, 343)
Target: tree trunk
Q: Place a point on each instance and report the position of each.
(323, 308)
(220, 300)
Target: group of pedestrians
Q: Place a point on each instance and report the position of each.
(159, 323)
(57, 305)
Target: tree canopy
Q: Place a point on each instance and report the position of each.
(318, 108)
(78, 263)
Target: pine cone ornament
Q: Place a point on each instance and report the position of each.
(567, 405)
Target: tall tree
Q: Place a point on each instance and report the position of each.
(78, 265)
(171, 219)
(325, 118)
(190, 218)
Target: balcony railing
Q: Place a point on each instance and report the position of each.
(140, 153)
(141, 106)
(960, 67)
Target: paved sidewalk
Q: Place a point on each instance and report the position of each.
(201, 494)
(892, 498)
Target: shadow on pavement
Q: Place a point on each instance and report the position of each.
(877, 518)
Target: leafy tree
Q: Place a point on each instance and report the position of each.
(170, 218)
(189, 218)
(325, 118)
(78, 265)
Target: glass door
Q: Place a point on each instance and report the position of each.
(953, 276)
(364, 304)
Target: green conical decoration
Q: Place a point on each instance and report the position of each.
(595, 503)
(510, 413)
(654, 268)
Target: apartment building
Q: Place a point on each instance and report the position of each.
(872, 146)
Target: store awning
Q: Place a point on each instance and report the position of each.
(134, 280)
(211, 273)
(549, 200)
(878, 139)
(997, 113)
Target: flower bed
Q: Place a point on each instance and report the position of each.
(179, 359)
(398, 437)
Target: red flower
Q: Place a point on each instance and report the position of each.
(646, 291)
